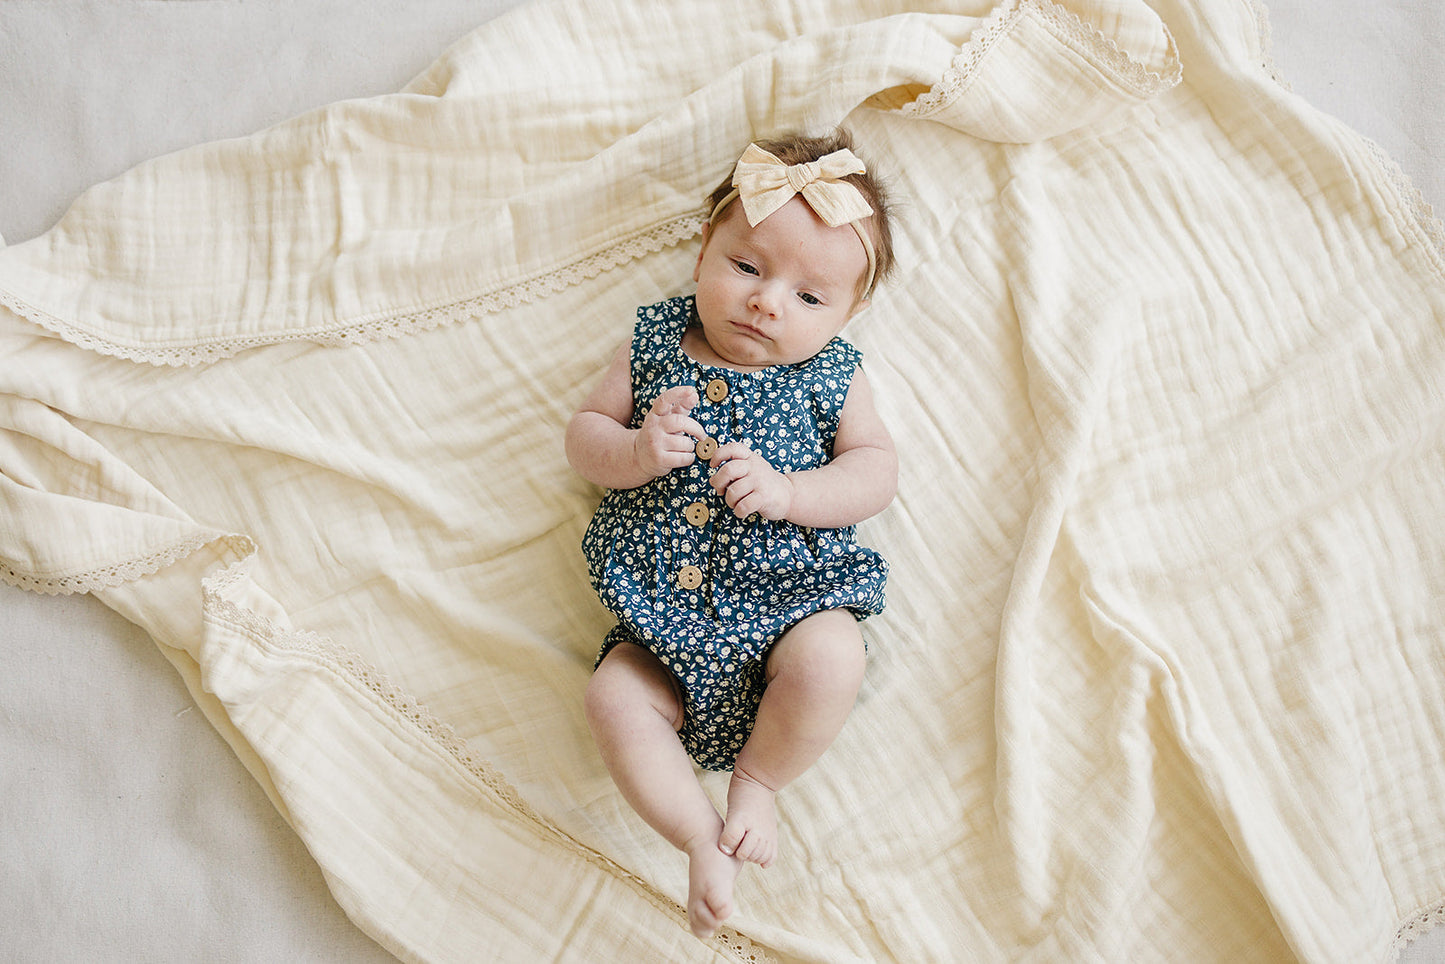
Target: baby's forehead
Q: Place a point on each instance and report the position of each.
(795, 219)
(795, 231)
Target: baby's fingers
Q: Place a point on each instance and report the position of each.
(731, 452)
(732, 472)
(740, 497)
(751, 495)
(678, 400)
(682, 426)
(659, 452)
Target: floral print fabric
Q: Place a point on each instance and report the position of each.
(759, 577)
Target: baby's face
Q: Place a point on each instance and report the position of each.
(775, 294)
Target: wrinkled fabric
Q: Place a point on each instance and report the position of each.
(1162, 661)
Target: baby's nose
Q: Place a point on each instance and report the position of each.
(766, 299)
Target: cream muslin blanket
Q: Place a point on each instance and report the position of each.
(1161, 672)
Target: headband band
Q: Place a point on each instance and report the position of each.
(765, 184)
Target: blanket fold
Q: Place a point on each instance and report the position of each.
(1161, 665)
(359, 244)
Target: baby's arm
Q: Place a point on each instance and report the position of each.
(605, 452)
(858, 483)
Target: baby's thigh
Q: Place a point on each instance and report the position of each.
(630, 677)
(825, 648)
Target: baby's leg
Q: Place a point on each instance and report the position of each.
(634, 710)
(813, 674)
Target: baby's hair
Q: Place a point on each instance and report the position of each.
(794, 148)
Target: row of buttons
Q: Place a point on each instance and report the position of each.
(697, 514)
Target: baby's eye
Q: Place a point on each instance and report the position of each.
(744, 267)
(810, 299)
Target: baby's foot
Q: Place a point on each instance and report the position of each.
(710, 877)
(751, 830)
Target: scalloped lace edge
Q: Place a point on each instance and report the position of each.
(1266, 43)
(646, 241)
(411, 712)
(1419, 924)
(110, 576)
(350, 666)
(1419, 211)
(962, 71)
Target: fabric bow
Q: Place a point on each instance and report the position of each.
(765, 184)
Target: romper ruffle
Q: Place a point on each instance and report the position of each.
(646, 547)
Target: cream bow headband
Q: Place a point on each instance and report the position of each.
(765, 184)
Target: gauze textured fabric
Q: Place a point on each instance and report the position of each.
(1161, 663)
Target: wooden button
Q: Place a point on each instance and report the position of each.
(689, 577)
(717, 390)
(707, 448)
(697, 514)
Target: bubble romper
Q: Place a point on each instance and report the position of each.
(705, 592)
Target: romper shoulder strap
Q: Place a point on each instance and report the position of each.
(656, 343)
(829, 374)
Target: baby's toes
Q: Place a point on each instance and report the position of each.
(704, 918)
(752, 846)
(731, 838)
(768, 854)
(761, 849)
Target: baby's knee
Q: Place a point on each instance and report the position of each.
(628, 680)
(824, 650)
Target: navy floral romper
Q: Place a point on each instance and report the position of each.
(704, 591)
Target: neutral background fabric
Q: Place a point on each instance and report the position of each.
(28, 703)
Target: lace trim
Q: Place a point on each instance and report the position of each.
(1145, 80)
(1420, 923)
(1419, 211)
(647, 241)
(106, 577)
(1266, 44)
(351, 667)
(962, 71)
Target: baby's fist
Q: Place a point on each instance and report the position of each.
(668, 435)
(749, 484)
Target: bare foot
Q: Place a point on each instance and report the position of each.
(710, 877)
(751, 830)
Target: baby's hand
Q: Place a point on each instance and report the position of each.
(668, 437)
(749, 484)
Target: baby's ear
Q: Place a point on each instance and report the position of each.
(706, 233)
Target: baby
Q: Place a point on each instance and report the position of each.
(738, 438)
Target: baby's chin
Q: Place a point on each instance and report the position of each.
(745, 355)
(736, 349)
